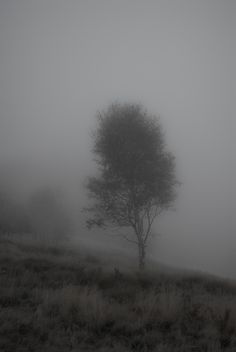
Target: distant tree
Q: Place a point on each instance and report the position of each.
(13, 216)
(48, 215)
(137, 174)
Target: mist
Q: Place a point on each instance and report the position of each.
(63, 61)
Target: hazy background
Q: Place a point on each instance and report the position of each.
(62, 61)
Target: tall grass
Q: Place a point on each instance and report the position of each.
(57, 302)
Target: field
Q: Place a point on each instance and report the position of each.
(63, 300)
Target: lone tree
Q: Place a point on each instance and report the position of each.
(137, 175)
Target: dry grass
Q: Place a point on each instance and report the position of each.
(54, 301)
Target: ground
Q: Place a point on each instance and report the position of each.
(54, 299)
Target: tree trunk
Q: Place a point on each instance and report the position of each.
(141, 248)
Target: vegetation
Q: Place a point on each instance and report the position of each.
(59, 300)
(42, 214)
(137, 180)
(13, 216)
(48, 216)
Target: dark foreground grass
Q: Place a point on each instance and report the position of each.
(55, 301)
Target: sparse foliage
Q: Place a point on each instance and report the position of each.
(137, 174)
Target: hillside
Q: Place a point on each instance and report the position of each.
(64, 300)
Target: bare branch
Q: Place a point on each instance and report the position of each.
(128, 239)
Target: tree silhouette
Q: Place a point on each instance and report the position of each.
(136, 179)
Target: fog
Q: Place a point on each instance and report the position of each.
(62, 61)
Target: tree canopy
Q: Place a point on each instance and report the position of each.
(137, 174)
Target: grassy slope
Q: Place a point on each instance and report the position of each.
(61, 300)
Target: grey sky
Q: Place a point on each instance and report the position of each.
(61, 61)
